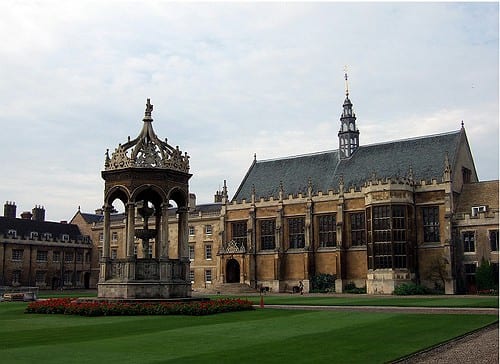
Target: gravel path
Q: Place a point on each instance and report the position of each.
(480, 347)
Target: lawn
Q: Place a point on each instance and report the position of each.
(366, 300)
(267, 336)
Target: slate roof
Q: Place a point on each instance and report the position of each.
(425, 155)
(24, 227)
(92, 218)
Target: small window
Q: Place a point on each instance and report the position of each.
(191, 231)
(12, 233)
(101, 237)
(191, 276)
(68, 257)
(40, 278)
(477, 209)
(68, 277)
(56, 257)
(16, 277)
(34, 235)
(470, 268)
(208, 229)
(494, 240)
(113, 253)
(468, 239)
(208, 276)
(191, 252)
(208, 252)
(79, 257)
(17, 254)
(114, 236)
(150, 251)
(41, 256)
(47, 236)
(466, 175)
(65, 237)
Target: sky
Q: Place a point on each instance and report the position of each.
(230, 80)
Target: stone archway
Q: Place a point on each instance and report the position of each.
(232, 271)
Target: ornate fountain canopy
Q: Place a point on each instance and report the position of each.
(147, 151)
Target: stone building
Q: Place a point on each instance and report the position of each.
(476, 231)
(373, 216)
(46, 254)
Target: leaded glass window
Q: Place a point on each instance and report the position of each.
(327, 231)
(267, 234)
(430, 216)
(296, 235)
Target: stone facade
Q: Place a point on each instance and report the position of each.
(49, 255)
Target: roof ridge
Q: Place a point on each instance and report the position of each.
(298, 156)
(413, 138)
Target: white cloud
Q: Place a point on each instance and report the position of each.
(230, 80)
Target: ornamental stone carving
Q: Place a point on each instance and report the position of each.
(147, 151)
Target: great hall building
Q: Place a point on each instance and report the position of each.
(374, 216)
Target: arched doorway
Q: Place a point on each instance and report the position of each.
(232, 271)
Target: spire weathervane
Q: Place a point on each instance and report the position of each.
(346, 83)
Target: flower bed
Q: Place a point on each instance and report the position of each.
(69, 306)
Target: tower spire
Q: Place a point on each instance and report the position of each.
(348, 133)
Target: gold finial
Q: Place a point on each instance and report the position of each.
(346, 83)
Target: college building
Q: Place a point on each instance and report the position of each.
(45, 254)
(371, 216)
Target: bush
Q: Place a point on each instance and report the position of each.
(322, 283)
(70, 306)
(485, 277)
(351, 288)
(410, 289)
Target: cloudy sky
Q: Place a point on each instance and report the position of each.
(230, 80)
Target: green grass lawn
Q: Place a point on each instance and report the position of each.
(266, 336)
(365, 300)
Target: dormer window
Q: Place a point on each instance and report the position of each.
(477, 209)
(12, 233)
(47, 236)
(33, 235)
(65, 237)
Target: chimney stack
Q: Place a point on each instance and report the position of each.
(9, 209)
(38, 213)
(26, 215)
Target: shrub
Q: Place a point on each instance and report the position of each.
(322, 283)
(351, 288)
(409, 289)
(485, 277)
(70, 306)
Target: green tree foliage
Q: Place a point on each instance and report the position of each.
(485, 276)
